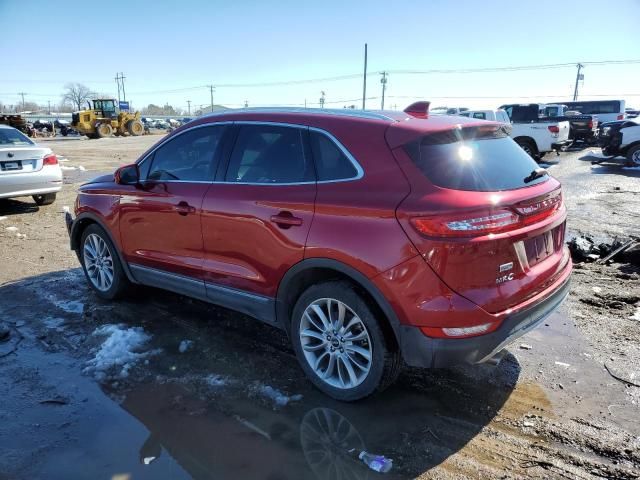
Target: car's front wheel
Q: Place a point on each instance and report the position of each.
(101, 264)
(633, 157)
(339, 342)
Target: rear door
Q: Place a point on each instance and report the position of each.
(160, 220)
(256, 217)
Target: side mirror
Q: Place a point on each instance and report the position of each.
(127, 175)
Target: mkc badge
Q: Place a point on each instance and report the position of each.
(505, 267)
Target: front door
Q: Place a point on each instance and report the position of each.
(160, 220)
(256, 218)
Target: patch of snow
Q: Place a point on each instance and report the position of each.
(70, 306)
(64, 167)
(525, 346)
(562, 364)
(3, 218)
(279, 398)
(631, 168)
(82, 169)
(215, 380)
(636, 315)
(65, 209)
(21, 235)
(185, 345)
(11, 229)
(596, 289)
(120, 351)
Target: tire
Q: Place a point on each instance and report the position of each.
(633, 156)
(44, 199)
(331, 352)
(528, 146)
(104, 130)
(135, 128)
(97, 250)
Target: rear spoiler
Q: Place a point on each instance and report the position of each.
(418, 109)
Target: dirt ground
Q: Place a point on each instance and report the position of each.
(208, 393)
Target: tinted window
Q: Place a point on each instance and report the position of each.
(269, 154)
(594, 108)
(188, 157)
(478, 159)
(331, 162)
(480, 115)
(11, 136)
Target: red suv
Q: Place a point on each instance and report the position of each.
(372, 238)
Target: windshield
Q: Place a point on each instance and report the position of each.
(474, 159)
(11, 136)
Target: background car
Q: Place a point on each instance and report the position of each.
(27, 169)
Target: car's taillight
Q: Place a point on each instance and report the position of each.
(50, 159)
(484, 222)
(472, 224)
(554, 128)
(590, 123)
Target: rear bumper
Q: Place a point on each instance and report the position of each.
(561, 144)
(419, 350)
(46, 180)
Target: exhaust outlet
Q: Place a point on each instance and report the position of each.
(495, 359)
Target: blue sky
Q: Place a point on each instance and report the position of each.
(174, 45)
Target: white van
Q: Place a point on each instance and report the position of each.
(605, 110)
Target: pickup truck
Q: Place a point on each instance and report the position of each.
(581, 127)
(537, 136)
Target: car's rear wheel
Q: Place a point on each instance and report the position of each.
(101, 264)
(633, 157)
(339, 342)
(44, 199)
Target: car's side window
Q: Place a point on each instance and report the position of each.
(331, 162)
(269, 154)
(187, 157)
(479, 115)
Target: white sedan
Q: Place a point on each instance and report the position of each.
(27, 169)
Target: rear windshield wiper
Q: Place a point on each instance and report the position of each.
(537, 173)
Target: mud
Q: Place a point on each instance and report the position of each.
(551, 411)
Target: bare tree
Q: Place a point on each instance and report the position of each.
(77, 94)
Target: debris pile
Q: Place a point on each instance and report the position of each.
(584, 249)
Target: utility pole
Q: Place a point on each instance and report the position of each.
(578, 78)
(117, 79)
(189, 107)
(124, 95)
(364, 79)
(383, 81)
(22, 94)
(49, 109)
(211, 89)
(246, 103)
(322, 99)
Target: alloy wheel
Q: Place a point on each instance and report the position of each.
(335, 343)
(98, 262)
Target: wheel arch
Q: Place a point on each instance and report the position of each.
(527, 139)
(80, 224)
(314, 270)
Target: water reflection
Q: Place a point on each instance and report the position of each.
(419, 423)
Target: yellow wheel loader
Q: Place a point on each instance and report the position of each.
(103, 119)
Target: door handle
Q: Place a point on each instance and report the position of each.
(286, 220)
(183, 208)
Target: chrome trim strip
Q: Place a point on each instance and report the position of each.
(341, 147)
(235, 291)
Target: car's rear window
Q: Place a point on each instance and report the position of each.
(11, 136)
(482, 159)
